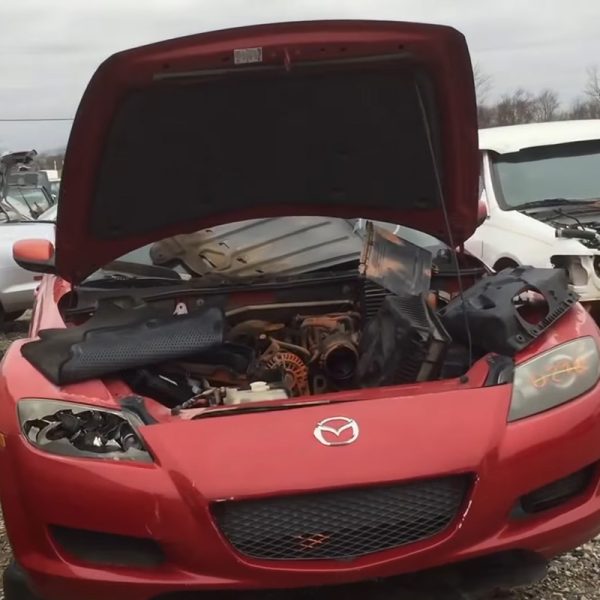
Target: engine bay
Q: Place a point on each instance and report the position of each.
(395, 315)
(282, 353)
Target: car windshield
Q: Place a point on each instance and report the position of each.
(559, 173)
(30, 202)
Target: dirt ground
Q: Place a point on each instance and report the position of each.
(574, 576)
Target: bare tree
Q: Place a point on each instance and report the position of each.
(584, 109)
(518, 107)
(483, 83)
(523, 106)
(486, 115)
(592, 88)
(547, 105)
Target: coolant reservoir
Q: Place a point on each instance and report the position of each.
(259, 391)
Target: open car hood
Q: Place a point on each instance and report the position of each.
(340, 118)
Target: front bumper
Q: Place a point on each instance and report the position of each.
(473, 579)
(150, 501)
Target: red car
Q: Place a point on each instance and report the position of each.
(240, 377)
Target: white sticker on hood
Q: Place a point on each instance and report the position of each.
(243, 56)
(181, 309)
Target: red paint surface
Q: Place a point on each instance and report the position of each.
(406, 433)
(441, 51)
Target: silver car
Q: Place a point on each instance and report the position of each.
(17, 286)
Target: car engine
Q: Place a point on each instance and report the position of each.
(282, 353)
(393, 316)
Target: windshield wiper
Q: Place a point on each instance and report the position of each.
(555, 202)
(11, 215)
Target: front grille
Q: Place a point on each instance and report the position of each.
(342, 524)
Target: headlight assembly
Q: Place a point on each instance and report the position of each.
(554, 378)
(80, 430)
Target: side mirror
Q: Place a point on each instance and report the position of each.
(482, 210)
(34, 255)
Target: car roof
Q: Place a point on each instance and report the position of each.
(513, 138)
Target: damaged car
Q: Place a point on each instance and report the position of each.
(25, 212)
(541, 189)
(273, 365)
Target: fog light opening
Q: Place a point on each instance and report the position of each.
(558, 492)
(107, 549)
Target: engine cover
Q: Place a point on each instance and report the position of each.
(491, 310)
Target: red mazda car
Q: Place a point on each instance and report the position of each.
(240, 376)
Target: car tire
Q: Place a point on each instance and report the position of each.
(16, 584)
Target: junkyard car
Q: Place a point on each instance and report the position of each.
(53, 182)
(541, 184)
(26, 210)
(23, 185)
(17, 285)
(238, 377)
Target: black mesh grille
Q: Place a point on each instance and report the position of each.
(341, 524)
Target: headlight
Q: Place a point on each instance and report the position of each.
(554, 378)
(82, 431)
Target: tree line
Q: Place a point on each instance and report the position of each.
(523, 106)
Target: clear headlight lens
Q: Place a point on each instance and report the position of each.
(554, 378)
(81, 431)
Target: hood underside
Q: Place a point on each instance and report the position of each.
(347, 119)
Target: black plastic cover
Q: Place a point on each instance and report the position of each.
(402, 343)
(492, 310)
(116, 339)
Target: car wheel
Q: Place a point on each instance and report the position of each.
(16, 585)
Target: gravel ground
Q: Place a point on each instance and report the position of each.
(574, 576)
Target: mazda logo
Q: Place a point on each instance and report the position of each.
(336, 431)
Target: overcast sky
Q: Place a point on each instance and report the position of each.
(50, 48)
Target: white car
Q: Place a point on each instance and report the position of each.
(17, 286)
(54, 180)
(541, 184)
